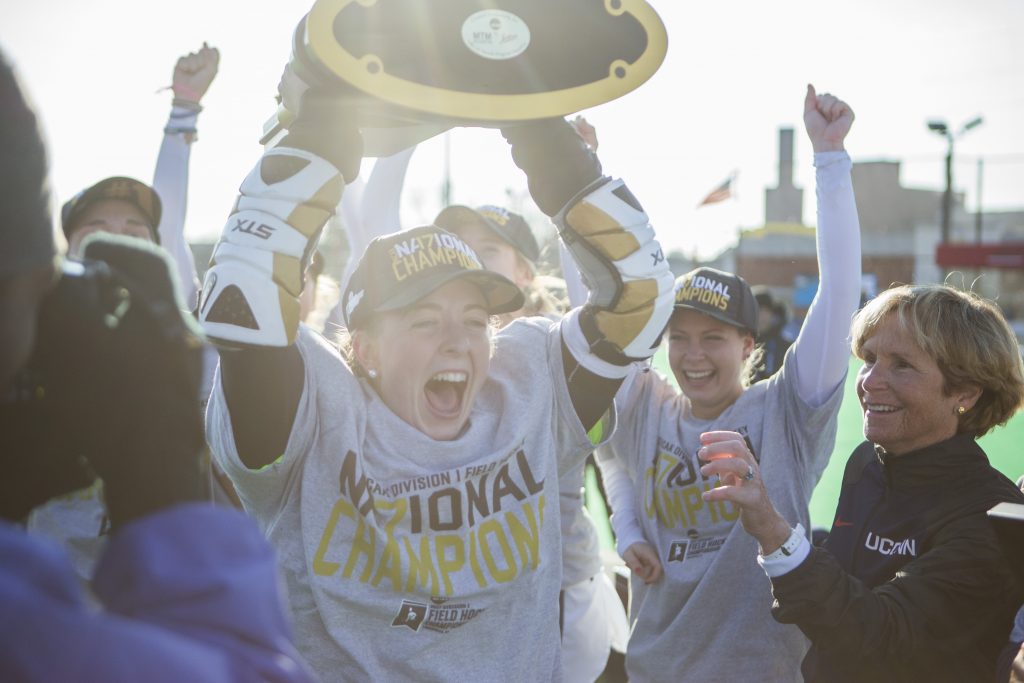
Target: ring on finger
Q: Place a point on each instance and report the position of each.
(750, 473)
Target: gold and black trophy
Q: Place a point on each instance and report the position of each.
(410, 69)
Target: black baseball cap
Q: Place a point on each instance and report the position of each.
(718, 294)
(509, 226)
(129, 190)
(399, 269)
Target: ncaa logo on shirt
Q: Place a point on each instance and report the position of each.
(677, 551)
(411, 614)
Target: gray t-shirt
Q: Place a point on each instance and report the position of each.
(412, 559)
(708, 619)
(581, 548)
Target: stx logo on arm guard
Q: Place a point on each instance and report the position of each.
(250, 227)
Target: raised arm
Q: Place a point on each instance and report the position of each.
(373, 210)
(823, 346)
(606, 230)
(193, 74)
(250, 298)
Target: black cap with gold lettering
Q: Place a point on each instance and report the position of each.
(721, 295)
(399, 269)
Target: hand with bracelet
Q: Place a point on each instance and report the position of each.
(193, 74)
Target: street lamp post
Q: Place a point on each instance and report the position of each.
(942, 128)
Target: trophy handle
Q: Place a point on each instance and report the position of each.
(384, 129)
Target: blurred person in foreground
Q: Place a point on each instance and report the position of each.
(185, 591)
(912, 584)
(125, 206)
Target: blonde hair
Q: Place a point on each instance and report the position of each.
(754, 362)
(967, 337)
(343, 339)
(541, 301)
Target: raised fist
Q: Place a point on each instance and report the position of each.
(194, 72)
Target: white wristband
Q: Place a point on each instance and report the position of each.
(789, 556)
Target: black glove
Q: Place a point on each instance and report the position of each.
(119, 366)
(327, 127)
(557, 162)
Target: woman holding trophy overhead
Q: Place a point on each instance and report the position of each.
(411, 487)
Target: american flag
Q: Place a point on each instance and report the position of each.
(720, 193)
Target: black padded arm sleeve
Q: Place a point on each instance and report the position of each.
(591, 394)
(262, 387)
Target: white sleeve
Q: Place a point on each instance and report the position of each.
(619, 487)
(823, 344)
(574, 286)
(379, 203)
(170, 180)
(784, 564)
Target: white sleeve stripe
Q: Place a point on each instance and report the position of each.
(576, 342)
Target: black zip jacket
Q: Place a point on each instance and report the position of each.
(911, 584)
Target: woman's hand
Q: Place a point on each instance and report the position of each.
(727, 456)
(585, 131)
(194, 72)
(642, 560)
(827, 120)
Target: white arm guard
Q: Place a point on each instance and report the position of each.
(250, 295)
(630, 283)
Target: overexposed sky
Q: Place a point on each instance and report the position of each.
(735, 72)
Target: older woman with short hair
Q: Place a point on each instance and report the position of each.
(911, 583)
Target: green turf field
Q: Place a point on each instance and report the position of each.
(1004, 445)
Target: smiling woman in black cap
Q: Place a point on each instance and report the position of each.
(697, 590)
(411, 489)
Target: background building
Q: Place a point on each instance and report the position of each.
(900, 231)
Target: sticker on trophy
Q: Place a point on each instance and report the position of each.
(495, 34)
(406, 74)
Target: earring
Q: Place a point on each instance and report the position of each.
(372, 373)
(961, 410)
